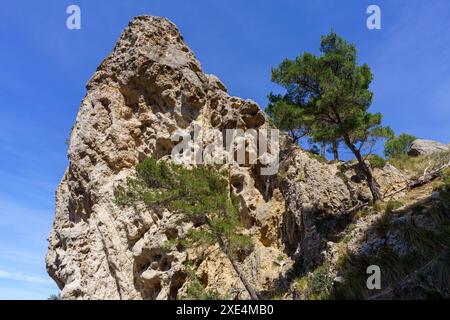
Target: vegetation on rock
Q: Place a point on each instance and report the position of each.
(54, 297)
(376, 161)
(396, 147)
(327, 98)
(416, 166)
(201, 195)
(420, 272)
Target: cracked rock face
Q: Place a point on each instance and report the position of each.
(150, 86)
(317, 199)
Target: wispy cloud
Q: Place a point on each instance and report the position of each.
(23, 277)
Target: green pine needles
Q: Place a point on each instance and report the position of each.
(397, 147)
(327, 99)
(201, 195)
(195, 192)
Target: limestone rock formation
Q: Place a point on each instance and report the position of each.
(150, 86)
(318, 197)
(426, 147)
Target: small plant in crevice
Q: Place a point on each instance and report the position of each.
(195, 289)
(316, 285)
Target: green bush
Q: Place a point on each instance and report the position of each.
(394, 205)
(317, 285)
(54, 297)
(445, 175)
(195, 289)
(398, 146)
(383, 224)
(425, 264)
(376, 161)
(415, 166)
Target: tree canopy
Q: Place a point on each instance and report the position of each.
(327, 98)
(398, 146)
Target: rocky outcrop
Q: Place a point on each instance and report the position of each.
(149, 87)
(426, 147)
(319, 197)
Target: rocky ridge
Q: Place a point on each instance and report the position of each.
(150, 86)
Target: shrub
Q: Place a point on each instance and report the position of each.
(415, 166)
(445, 175)
(278, 296)
(361, 213)
(347, 233)
(394, 204)
(398, 146)
(382, 225)
(317, 285)
(379, 206)
(195, 289)
(376, 161)
(422, 272)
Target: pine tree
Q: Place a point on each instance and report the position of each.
(328, 97)
(200, 194)
(398, 146)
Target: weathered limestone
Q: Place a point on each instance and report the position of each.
(426, 147)
(150, 86)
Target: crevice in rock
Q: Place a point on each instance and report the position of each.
(111, 266)
(148, 269)
(178, 279)
(263, 183)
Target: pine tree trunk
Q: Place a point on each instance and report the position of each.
(335, 150)
(371, 182)
(322, 151)
(252, 293)
(223, 245)
(247, 285)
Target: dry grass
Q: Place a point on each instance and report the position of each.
(415, 166)
(423, 272)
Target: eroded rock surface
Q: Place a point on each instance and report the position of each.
(426, 147)
(150, 86)
(318, 197)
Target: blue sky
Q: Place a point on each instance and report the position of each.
(44, 68)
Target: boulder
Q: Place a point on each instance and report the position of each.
(425, 147)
